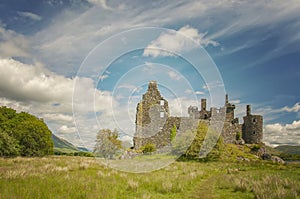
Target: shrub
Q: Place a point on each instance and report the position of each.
(148, 148)
(238, 136)
(173, 133)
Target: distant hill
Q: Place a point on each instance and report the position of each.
(289, 149)
(61, 144)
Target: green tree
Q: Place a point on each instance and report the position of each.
(107, 143)
(8, 145)
(34, 138)
(28, 135)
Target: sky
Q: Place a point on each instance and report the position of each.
(83, 65)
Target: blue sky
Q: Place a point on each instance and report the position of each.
(46, 53)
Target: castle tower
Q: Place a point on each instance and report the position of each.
(226, 99)
(151, 115)
(252, 131)
(229, 110)
(203, 104)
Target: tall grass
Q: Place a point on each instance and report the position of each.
(81, 177)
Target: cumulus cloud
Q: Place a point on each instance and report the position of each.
(30, 15)
(57, 117)
(24, 82)
(13, 44)
(67, 129)
(174, 42)
(281, 134)
(34, 89)
(179, 106)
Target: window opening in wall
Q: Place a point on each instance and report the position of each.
(254, 133)
(162, 102)
(162, 114)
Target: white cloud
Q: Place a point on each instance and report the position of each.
(213, 85)
(295, 108)
(199, 93)
(102, 77)
(188, 91)
(30, 15)
(174, 75)
(235, 101)
(294, 126)
(67, 129)
(57, 117)
(179, 106)
(174, 42)
(97, 24)
(19, 81)
(129, 87)
(281, 134)
(102, 3)
(34, 89)
(13, 44)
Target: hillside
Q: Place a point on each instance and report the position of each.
(62, 146)
(289, 149)
(62, 143)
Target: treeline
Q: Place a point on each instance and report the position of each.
(75, 153)
(22, 134)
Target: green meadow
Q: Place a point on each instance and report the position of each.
(84, 177)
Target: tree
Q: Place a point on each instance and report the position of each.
(8, 145)
(26, 134)
(107, 143)
(34, 138)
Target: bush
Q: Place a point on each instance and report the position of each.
(173, 133)
(148, 148)
(238, 136)
(211, 150)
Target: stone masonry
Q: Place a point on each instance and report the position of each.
(154, 124)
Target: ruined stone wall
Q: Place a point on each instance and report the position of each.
(153, 123)
(230, 131)
(151, 115)
(252, 129)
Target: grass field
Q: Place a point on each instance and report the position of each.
(82, 177)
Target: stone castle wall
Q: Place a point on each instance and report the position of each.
(253, 128)
(153, 123)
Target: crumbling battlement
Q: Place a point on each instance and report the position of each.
(154, 124)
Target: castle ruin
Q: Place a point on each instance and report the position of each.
(154, 123)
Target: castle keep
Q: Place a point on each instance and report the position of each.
(154, 123)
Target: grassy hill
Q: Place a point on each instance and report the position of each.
(63, 147)
(62, 143)
(288, 149)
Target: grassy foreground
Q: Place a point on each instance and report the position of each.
(82, 177)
